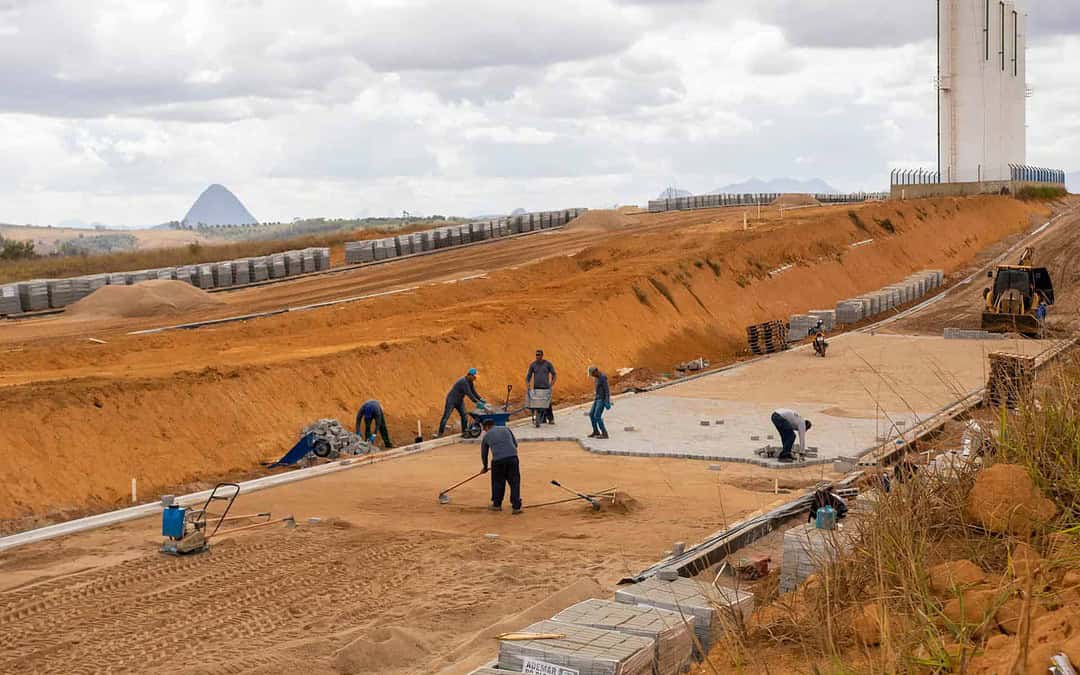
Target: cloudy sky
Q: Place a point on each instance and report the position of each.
(122, 111)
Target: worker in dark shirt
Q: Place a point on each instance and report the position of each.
(455, 400)
(541, 375)
(505, 469)
(371, 413)
(601, 402)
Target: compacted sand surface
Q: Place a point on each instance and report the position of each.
(387, 581)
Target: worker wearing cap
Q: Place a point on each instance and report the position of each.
(371, 413)
(505, 469)
(455, 400)
(788, 423)
(541, 375)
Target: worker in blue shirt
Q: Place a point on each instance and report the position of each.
(371, 414)
(601, 402)
(455, 400)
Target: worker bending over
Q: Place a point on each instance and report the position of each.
(505, 469)
(455, 400)
(371, 413)
(601, 402)
(541, 375)
(788, 423)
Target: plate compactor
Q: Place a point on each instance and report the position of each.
(189, 530)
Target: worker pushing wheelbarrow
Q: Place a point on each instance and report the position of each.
(538, 402)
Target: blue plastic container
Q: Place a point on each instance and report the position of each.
(825, 518)
(172, 522)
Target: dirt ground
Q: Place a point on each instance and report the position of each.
(388, 582)
(48, 237)
(81, 419)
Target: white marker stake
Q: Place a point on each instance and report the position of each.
(134, 497)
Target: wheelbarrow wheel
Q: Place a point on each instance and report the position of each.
(538, 417)
(321, 448)
(473, 430)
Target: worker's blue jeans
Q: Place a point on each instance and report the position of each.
(596, 416)
(787, 435)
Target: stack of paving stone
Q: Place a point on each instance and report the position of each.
(241, 271)
(669, 632)
(118, 279)
(767, 338)
(204, 276)
(60, 293)
(277, 267)
(965, 334)
(187, 274)
(307, 260)
(260, 268)
(712, 608)
(137, 277)
(799, 326)
(34, 295)
(9, 300)
(294, 263)
(223, 274)
(341, 440)
(167, 273)
(322, 259)
(85, 285)
(911, 289)
(806, 548)
(588, 651)
(359, 252)
(850, 311)
(1012, 377)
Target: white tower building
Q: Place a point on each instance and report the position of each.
(982, 89)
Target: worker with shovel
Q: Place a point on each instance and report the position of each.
(788, 423)
(371, 413)
(503, 446)
(455, 400)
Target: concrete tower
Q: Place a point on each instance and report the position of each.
(982, 89)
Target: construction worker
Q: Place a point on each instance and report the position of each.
(455, 400)
(505, 469)
(541, 375)
(787, 423)
(601, 402)
(371, 413)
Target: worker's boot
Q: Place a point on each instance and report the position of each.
(494, 508)
(516, 512)
(603, 435)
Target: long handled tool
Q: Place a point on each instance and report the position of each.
(444, 497)
(595, 504)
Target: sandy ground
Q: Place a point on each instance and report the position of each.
(389, 582)
(81, 419)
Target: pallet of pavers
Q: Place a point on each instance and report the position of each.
(669, 631)
(241, 271)
(60, 293)
(712, 608)
(582, 650)
(806, 549)
(9, 300)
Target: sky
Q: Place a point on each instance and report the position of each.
(123, 111)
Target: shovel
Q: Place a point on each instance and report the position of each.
(595, 504)
(444, 497)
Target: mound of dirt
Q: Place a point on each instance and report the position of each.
(382, 650)
(601, 220)
(1005, 499)
(157, 297)
(795, 200)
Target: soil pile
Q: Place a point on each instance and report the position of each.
(601, 220)
(158, 297)
(382, 650)
(1006, 500)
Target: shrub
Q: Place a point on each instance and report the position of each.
(1046, 193)
(858, 221)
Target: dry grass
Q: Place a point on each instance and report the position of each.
(70, 266)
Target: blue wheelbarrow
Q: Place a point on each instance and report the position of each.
(499, 417)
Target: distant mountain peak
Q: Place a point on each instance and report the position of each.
(781, 185)
(217, 205)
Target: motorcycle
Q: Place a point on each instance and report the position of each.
(820, 345)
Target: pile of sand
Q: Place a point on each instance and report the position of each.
(601, 220)
(383, 649)
(795, 200)
(157, 297)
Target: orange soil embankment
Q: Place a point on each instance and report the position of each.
(174, 408)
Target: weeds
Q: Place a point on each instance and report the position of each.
(663, 290)
(642, 297)
(1041, 193)
(714, 266)
(858, 221)
(886, 224)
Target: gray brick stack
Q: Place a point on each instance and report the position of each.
(137, 277)
(711, 608)
(322, 259)
(827, 316)
(669, 632)
(357, 252)
(118, 279)
(806, 549)
(849, 312)
(307, 261)
(241, 272)
(204, 276)
(223, 274)
(294, 263)
(590, 651)
(60, 293)
(260, 268)
(187, 274)
(9, 300)
(799, 326)
(167, 273)
(34, 295)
